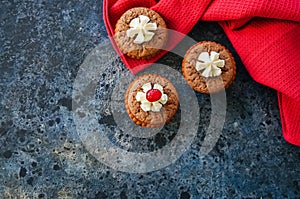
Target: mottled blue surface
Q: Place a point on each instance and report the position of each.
(42, 46)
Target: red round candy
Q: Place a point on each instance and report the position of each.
(153, 95)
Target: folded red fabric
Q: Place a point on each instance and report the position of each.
(264, 33)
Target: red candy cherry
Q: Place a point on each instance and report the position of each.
(153, 95)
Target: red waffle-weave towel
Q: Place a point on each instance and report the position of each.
(265, 34)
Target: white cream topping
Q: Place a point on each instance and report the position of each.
(210, 64)
(141, 27)
(151, 106)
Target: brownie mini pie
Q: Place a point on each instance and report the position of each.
(151, 100)
(208, 67)
(141, 33)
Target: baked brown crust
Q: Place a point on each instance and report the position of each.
(145, 50)
(210, 84)
(151, 119)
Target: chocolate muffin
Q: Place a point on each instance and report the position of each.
(151, 100)
(208, 67)
(141, 33)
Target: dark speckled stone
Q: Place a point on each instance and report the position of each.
(43, 44)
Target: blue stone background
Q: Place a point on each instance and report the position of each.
(43, 44)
